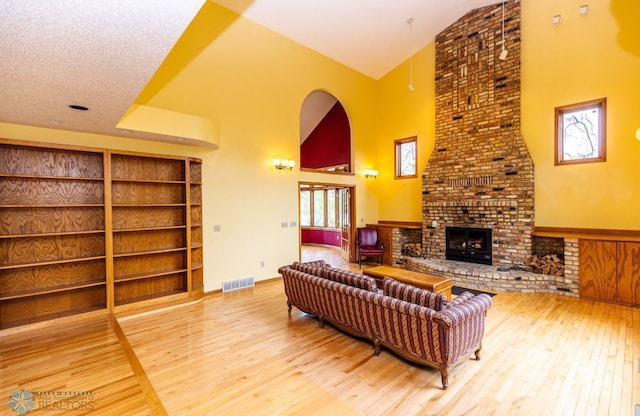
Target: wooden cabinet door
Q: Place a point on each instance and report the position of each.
(598, 264)
(385, 235)
(629, 273)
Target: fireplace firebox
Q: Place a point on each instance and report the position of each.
(472, 245)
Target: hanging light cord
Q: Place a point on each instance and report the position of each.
(410, 23)
(411, 49)
(503, 47)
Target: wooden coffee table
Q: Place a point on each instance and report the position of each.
(430, 282)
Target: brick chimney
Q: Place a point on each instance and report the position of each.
(480, 174)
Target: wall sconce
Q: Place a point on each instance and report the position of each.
(370, 173)
(638, 135)
(556, 20)
(284, 164)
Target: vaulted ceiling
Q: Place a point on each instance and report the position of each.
(101, 54)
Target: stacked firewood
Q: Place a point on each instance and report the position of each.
(412, 249)
(550, 264)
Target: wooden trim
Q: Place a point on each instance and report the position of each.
(587, 233)
(397, 224)
(308, 227)
(108, 224)
(41, 325)
(269, 280)
(601, 104)
(397, 157)
(327, 172)
(51, 145)
(187, 213)
(145, 384)
(154, 303)
(152, 309)
(145, 154)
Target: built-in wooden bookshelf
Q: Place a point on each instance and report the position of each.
(52, 233)
(88, 229)
(195, 223)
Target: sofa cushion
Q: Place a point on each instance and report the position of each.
(316, 268)
(315, 263)
(408, 293)
(351, 278)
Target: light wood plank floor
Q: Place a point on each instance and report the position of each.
(241, 353)
(84, 356)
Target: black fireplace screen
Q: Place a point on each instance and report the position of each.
(469, 244)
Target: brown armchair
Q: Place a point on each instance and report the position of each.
(368, 244)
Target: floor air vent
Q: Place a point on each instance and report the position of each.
(238, 284)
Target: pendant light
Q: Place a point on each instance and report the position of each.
(410, 23)
(504, 51)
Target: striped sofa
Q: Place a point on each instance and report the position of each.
(418, 325)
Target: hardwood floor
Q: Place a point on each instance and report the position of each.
(241, 353)
(80, 357)
(331, 255)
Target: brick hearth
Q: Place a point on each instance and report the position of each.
(484, 277)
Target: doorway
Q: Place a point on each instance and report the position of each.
(326, 217)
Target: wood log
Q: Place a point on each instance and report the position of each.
(550, 264)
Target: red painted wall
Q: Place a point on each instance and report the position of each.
(321, 236)
(329, 144)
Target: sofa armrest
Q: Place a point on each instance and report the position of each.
(463, 297)
(283, 269)
(463, 311)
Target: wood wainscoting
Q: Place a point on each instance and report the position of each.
(608, 262)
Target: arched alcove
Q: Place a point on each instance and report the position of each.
(325, 134)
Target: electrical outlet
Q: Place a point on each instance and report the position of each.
(217, 228)
(293, 224)
(262, 263)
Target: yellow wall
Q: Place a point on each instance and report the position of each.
(576, 61)
(251, 82)
(579, 60)
(406, 114)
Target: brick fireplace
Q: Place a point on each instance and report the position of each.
(480, 174)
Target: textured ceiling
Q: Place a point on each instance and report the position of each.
(101, 54)
(98, 54)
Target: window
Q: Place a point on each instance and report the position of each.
(405, 157)
(319, 206)
(331, 208)
(305, 208)
(580, 132)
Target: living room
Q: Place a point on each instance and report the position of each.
(246, 201)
